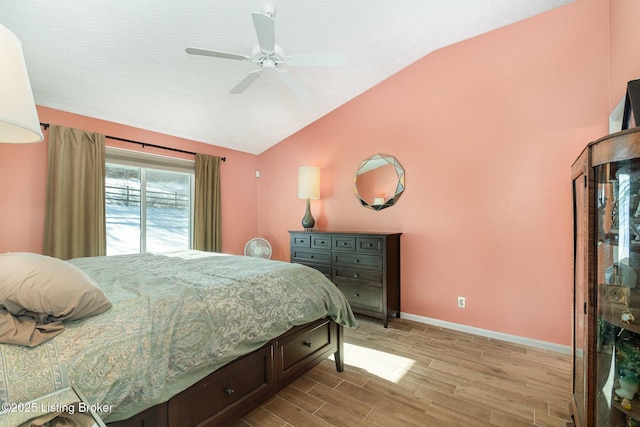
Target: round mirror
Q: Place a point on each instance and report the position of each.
(379, 182)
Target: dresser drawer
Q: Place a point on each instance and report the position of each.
(361, 296)
(372, 277)
(373, 245)
(300, 241)
(358, 259)
(321, 242)
(344, 243)
(322, 268)
(296, 349)
(247, 378)
(317, 257)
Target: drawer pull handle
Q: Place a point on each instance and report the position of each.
(307, 344)
(310, 256)
(356, 276)
(357, 295)
(229, 391)
(356, 261)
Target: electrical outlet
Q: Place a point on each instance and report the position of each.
(462, 303)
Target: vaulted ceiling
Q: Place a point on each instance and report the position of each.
(126, 62)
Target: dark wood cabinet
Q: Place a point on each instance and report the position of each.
(606, 313)
(365, 266)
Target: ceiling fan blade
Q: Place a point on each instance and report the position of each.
(246, 82)
(330, 59)
(265, 30)
(294, 84)
(215, 53)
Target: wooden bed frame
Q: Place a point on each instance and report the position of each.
(234, 390)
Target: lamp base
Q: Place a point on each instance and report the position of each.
(308, 222)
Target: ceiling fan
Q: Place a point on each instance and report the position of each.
(270, 56)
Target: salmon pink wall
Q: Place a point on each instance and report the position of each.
(486, 131)
(22, 196)
(23, 171)
(625, 33)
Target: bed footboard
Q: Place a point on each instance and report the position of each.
(236, 389)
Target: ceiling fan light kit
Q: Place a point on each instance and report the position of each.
(268, 55)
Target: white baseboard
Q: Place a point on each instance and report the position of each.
(489, 334)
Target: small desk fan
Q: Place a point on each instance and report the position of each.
(258, 248)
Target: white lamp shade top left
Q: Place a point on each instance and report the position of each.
(19, 121)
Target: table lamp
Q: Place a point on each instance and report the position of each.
(308, 188)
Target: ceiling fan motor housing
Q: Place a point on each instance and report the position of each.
(263, 57)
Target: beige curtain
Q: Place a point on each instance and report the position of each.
(207, 218)
(75, 208)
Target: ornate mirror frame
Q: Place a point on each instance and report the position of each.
(370, 186)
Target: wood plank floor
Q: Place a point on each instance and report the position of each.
(413, 374)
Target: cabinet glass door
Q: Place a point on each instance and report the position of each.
(617, 352)
(579, 291)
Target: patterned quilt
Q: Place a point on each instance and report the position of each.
(175, 319)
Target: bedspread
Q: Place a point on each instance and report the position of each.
(175, 319)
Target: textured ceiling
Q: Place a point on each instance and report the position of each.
(126, 62)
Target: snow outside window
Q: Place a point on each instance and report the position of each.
(149, 203)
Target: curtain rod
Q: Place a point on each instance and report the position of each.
(144, 144)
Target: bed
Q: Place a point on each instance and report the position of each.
(190, 338)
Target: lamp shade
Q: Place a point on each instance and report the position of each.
(309, 182)
(19, 121)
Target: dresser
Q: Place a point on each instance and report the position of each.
(365, 266)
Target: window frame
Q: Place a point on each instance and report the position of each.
(145, 161)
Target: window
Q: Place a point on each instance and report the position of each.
(149, 203)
